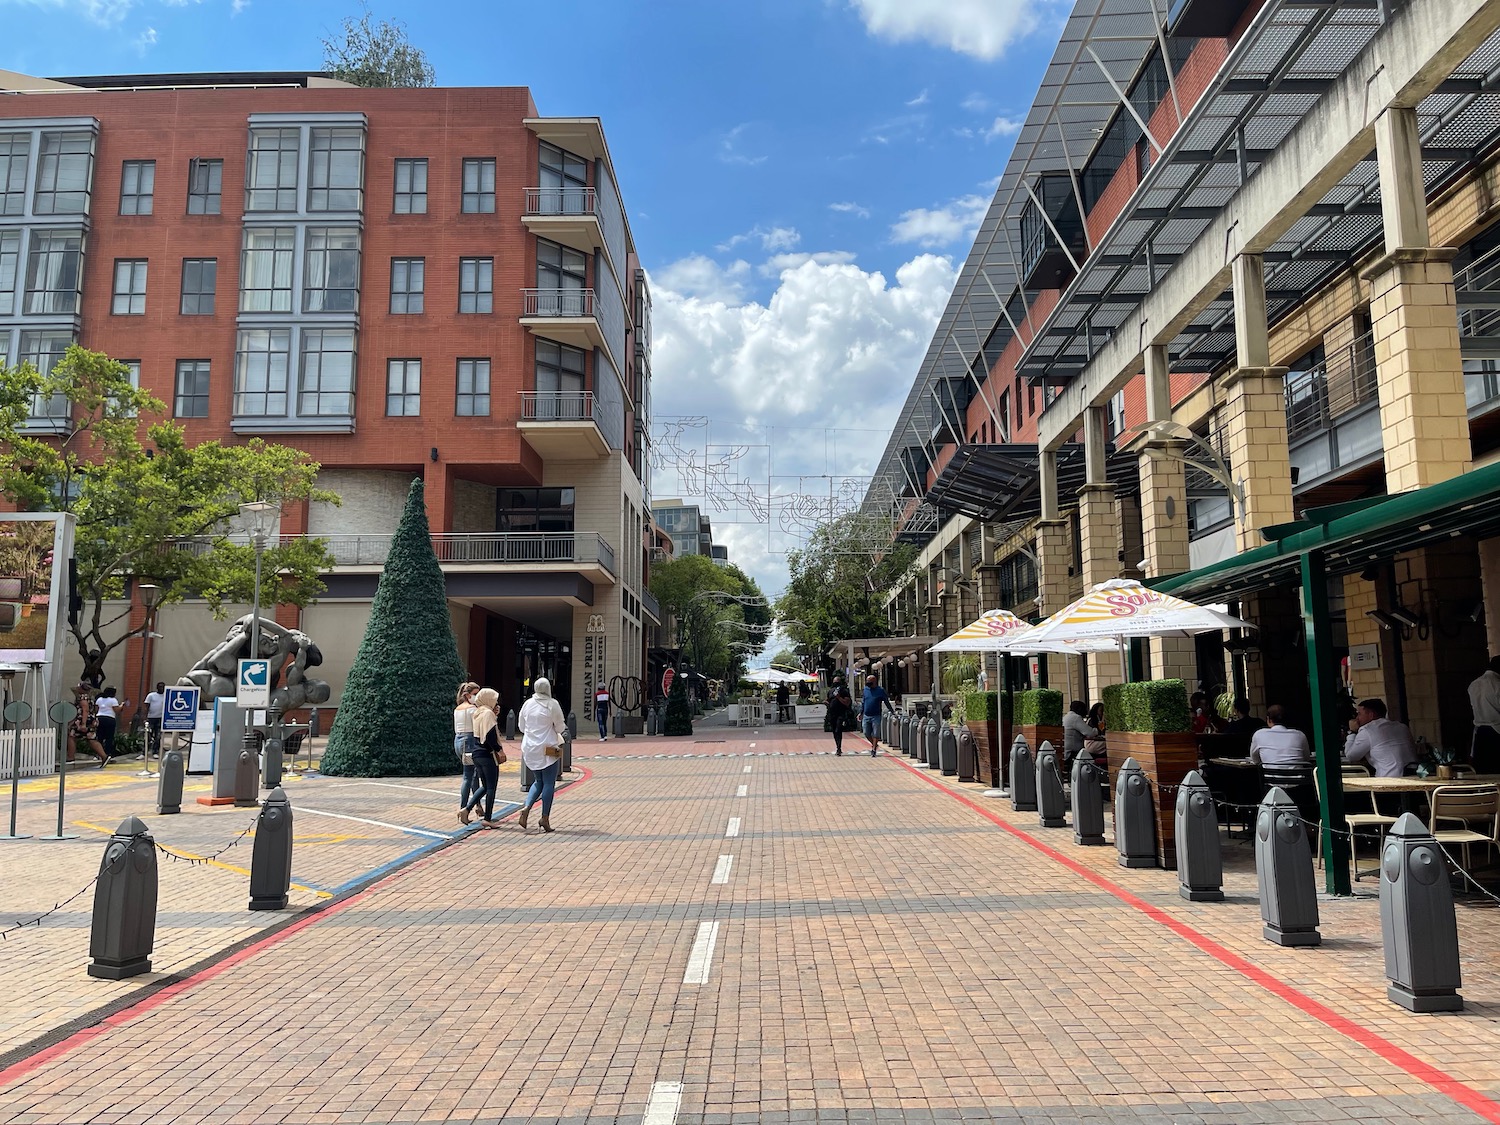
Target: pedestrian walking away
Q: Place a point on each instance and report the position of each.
(469, 792)
(543, 728)
(869, 708)
(601, 708)
(840, 708)
(156, 707)
(106, 707)
(488, 753)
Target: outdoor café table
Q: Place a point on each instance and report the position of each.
(1414, 784)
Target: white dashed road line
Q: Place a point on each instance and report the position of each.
(721, 869)
(734, 827)
(700, 959)
(666, 1097)
(742, 791)
(749, 768)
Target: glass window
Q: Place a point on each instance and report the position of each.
(411, 187)
(476, 285)
(130, 287)
(10, 267)
(327, 384)
(473, 388)
(330, 280)
(534, 509)
(44, 351)
(564, 181)
(336, 170)
(561, 280)
(266, 269)
(559, 382)
(54, 271)
(199, 280)
(137, 185)
(192, 389)
(205, 186)
(408, 281)
(14, 149)
(479, 185)
(261, 360)
(271, 170)
(64, 168)
(133, 374)
(403, 388)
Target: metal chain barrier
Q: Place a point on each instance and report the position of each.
(37, 921)
(199, 861)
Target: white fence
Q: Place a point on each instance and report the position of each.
(38, 753)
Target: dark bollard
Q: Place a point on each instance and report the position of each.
(919, 741)
(526, 777)
(1049, 792)
(124, 926)
(1088, 803)
(1135, 817)
(271, 859)
(1200, 864)
(948, 751)
(1284, 870)
(1022, 776)
(169, 783)
(572, 724)
(567, 755)
(651, 727)
(968, 756)
(510, 724)
(1417, 921)
(272, 763)
(904, 735)
(934, 742)
(246, 780)
(618, 728)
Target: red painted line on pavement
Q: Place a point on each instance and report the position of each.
(16, 1071)
(1440, 1080)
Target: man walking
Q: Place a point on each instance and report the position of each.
(601, 710)
(870, 712)
(156, 706)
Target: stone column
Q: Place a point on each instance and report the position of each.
(1255, 415)
(1164, 528)
(1099, 533)
(1424, 418)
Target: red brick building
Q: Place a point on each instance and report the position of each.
(402, 282)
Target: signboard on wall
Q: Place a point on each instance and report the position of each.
(34, 551)
(594, 672)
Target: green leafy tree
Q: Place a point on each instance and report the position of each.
(721, 614)
(395, 718)
(679, 717)
(836, 583)
(370, 52)
(157, 508)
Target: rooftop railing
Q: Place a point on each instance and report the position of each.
(458, 548)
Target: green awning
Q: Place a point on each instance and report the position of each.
(1350, 536)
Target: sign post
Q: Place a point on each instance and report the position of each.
(61, 713)
(180, 711)
(254, 685)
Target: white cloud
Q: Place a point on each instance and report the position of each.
(731, 147)
(955, 221)
(144, 40)
(238, 6)
(848, 208)
(975, 103)
(830, 355)
(777, 263)
(1004, 127)
(906, 127)
(981, 28)
(920, 99)
(770, 238)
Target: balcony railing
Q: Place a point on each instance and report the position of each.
(479, 547)
(1315, 398)
(557, 302)
(557, 406)
(652, 606)
(560, 201)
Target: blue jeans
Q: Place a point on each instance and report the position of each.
(602, 714)
(472, 790)
(543, 785)
(871, 726)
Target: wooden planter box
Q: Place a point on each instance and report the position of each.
(992, 746)
(1165, 759)
(1035, 736)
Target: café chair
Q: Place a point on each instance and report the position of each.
(1465, 805)
(1374, 818)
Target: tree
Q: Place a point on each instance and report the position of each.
(785, 659)
(834, 583)
(721, 613)
(679, 717)
(367, 52)
(158, 509)
(395, 719)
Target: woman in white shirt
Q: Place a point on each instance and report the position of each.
(470, 792)
(105, 707)
(543, 727)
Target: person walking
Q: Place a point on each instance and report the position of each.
(156, 707)
(487, 752)
(469, 792)
(869, 709)
(840, 708)
(106, 708)
(84, 728)
(601, 709)
(543, 728)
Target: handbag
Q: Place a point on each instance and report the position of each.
(468, 758)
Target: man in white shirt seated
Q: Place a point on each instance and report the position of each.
(1484, 698)
(1276, 745)
(1386, 744)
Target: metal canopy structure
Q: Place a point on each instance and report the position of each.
(997, 483)
(1073, 105)
(1287, 58)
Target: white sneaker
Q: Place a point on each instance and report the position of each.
(604, 738)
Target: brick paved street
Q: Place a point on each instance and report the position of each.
(847, 941)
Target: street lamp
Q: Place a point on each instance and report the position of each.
(149, 594)
(259, 518)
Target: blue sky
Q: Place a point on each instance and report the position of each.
(803, 178)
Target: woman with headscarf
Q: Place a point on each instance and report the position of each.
(543, 728)
(487, 752)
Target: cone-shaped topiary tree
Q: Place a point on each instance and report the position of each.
(679, 718)
(395, 719)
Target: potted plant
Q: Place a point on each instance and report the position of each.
(1438, 762)
(1149, 721)
(1038, 715)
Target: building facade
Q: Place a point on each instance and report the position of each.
(691, 531)
(1229, 327)
(405, 283)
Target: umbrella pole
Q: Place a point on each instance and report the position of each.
(1124, 663)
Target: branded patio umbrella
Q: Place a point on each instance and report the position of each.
(983, 634)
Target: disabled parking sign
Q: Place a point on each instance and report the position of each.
(180, 711)
(254, 684)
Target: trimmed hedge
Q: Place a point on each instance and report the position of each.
(1148, 707)
(991, 704)
(1041, 707)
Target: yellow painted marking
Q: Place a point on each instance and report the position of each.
(203, 859)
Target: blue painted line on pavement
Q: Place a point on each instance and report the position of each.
(401, 860)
